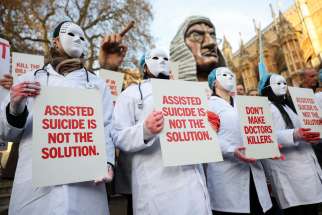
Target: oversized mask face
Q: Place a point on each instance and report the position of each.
(278, 85)
(201, 40)
(157, 62)
(226, 78)
(72, 39)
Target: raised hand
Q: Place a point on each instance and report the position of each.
(19, 94)
(112, 51)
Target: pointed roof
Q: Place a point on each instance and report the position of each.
(226, 44)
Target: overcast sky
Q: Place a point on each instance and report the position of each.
(229, 16)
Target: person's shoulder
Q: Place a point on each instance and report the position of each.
(131, 91)
(96, 79)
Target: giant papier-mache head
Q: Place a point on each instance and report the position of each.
(199, 59)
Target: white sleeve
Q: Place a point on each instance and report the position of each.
(128, 134)
(107, 114)
(284, 136)
(8, 132)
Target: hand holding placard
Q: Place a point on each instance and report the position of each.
(108, 177)
(240, 154)
(6, 81)
(153, 124)
(19, 94)
(307, 135)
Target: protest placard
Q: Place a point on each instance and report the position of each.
(4, 64)
(187, 137)
(307, 108)
(257, 127)
(23, 63)
(68, 136)
(114, 80)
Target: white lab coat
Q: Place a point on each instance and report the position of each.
(298, 179)
(177, 190)
(78, 198)
(228, 181)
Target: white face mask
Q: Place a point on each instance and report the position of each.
(157, 62)
(72, 39)
(226, 78)
(278, 85)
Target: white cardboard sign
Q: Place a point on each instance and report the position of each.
(23, 63)
(307, 108)
(114, 80)
(4, 65)
(187, 137)
(68, 136)
(257, 127)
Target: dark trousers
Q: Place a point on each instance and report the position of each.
(255, 206)
(302, 210)
(129, 204)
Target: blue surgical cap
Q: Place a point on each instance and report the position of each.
(212, 79)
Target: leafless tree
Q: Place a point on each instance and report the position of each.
(28, 24)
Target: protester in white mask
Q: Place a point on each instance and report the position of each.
(157, 63)
(65, 69)
(297, 181)
(238, 184)
(278, 85)
(72, 39)
(178, 190)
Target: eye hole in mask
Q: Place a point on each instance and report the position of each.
(165, 58)
(71, 34)
(155, 58)
(82, 38)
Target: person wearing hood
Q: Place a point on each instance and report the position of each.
(238, 184)
(65, 69)
(296, 181)
(195, 49)
(156, 189)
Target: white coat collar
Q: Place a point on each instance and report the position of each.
(52, 71)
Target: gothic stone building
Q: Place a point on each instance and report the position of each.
(291, 42)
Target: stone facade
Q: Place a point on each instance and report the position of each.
(291, 42)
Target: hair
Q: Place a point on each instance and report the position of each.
(279, 102)
(57, 29)
(239, 83)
